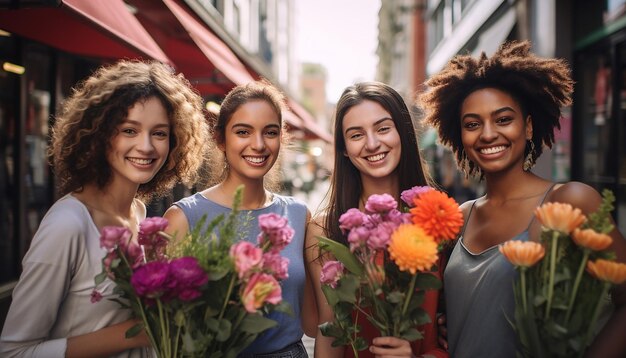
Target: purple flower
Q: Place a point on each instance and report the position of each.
(380, 235)
(380, 203)
(113, 236)
(95, 296)
(351, 219)
(358, 237)
(409, 195)
(150, 280)
(331, 273)
(397, 217)
(276, 264)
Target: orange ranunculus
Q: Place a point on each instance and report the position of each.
(438, 214)
(605, 270)
(522, 253)
(591, 239)
(560, 217)
(412, 249)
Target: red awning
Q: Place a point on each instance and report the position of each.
(212, 46)
(95, 28)
(308, 122)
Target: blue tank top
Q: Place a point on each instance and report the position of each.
(289, 329)
(479, 298)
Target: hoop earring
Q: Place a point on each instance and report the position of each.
(529, 161)
(464, 165)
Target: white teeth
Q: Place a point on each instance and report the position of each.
(493, 150)
(377, 157)
(255, 160)
(141, 161)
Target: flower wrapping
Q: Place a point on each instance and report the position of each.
(389, 264)
(205, 295)
(563, 280)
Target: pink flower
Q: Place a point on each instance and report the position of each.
(379, 236)
(261, 288)
(149, 232)
(271, 222)
(357, 237)
(150, 279)
(95, 296)
(409, 195)
(278, 238)
(135, 256)
(276, 264)
(113, 236)
(246, 257)
(380, 203)
(351, 219)
(108, 261)
(331, 273)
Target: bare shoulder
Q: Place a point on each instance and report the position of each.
(577, 194)
(177, 221)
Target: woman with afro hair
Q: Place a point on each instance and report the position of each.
(497, 113)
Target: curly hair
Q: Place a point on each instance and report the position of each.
(261, 90)
(541, 86)
(88, 120)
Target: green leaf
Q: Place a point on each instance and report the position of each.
(395, 297)
(412, 334)
(224, 330)
(427, 281)
(256, 323)
(347, 287)
(285, 308)
(134, 330)
(331, 295)
(342, 253)
(331, 329)
(360, 344)
(100, 277)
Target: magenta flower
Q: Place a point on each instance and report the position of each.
(113, 236)
(261, 288)
(95, 296)
(276, 264)
(380, 203)
(409, 195)
(331, 273)
(351, 219)
(151, 279)
(246, 257)
(134, 254)
(188, 277)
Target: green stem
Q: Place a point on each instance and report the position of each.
(594, 318)
(146, 324)
(523, 279)
(553, 247)
(381, 326)
(405, 306)
(227, 297)
(579, 276)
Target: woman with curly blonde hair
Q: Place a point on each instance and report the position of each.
(496, 113)
(130, 131)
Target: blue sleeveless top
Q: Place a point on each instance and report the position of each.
(479, 298)
(289, 329)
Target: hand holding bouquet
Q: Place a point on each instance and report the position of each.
(564, 279)
(205, 295)
(388, 266)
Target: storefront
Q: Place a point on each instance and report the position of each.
(599, 111)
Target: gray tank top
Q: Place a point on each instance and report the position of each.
(479, 299)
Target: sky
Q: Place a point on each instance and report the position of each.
(341, 35)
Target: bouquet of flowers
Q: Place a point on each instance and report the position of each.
(389, 264)
(203, 296)
(563, 280)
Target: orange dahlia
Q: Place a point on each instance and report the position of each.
(591, 239)
(560, 217)
(438, 214)
(412, 249)
(609, 271)
(522, 253)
